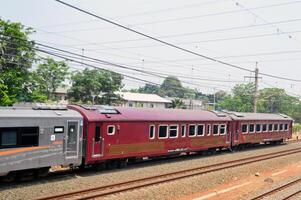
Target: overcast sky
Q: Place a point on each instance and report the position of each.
(240, 32)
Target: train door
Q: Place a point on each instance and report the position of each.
(229, 132)
(97, 146)
(72, 139)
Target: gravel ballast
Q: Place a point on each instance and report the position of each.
(172, 190)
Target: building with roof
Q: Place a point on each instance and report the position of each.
(141, 100)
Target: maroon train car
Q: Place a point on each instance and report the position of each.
(254, 128)
(118, 134)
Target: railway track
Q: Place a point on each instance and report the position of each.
(281, 189)
(163, 178)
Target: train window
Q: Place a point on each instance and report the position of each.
(258, 127)
(276, 127)
(19, 137)
(244, 128)
(183, 130)
(191, 132)
(215, 129)
(264, 128)
(222, 129)
(173, 131)
(111, 130)
(162, 131)
(286, 127)
(270, 127)
(281, 127)
(9, 138)
(251, 128)
(97, 133)
(200, 130)
(151, 131)
(208, 129)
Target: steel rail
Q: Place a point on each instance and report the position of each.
(168, 177)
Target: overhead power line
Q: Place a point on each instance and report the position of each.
(153, 38)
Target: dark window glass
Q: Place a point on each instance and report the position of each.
(264, 127)
(244, 128)
(173, 131)
(183, 130)
(97, 134)
(258, 127)
(215, 129)
(222, 129)
(208, 129)
(251, 128)
(111, 130)
(286, 127)
(191, 130)
(200, 130)
(275, 127)
(162, 131)
(19, 137)
(281, 127)
(270, 127)
(152, 132)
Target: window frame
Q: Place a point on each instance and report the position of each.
(183, 130)
(260, 128)
(217, 130)
(160, 125)
(281, 129)
(276, 130)
(177, 130)
(194, 130)
(272, 127)
(203, 132)
(286, 127)
(247, 129)
(97, 139)
(254, 128)
(208, 129)
(266, 128)
(114, 130)
(152, 127)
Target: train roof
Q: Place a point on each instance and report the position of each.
(258, 116)
(105, 113)
(37, 112)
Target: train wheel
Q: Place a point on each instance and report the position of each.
(122, 163)
(26, 175)
(42, 172)
(10, 177)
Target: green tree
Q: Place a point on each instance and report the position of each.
(50, 75)
(172, 87)
(149, 89)
(177, 103)
(95, 85)
(16, 57)
(242, 99)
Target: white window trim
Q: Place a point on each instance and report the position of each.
(283, 128)
(114, 129)
(172, 129)
(260, 128)
(203, 130)
(217, 129)
(254, 128)
(247, 128)
(287, 127)
(267, 128)
(277, 127)
(166, 131)
(185, 128)
(208, 132)
(189, 130)
(154, 131)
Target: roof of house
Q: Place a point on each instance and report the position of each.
(140, 97)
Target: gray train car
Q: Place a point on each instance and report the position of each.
(32, 139)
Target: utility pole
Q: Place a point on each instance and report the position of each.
(255, 94)
(256, 89)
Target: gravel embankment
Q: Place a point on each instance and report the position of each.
(171, 190)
